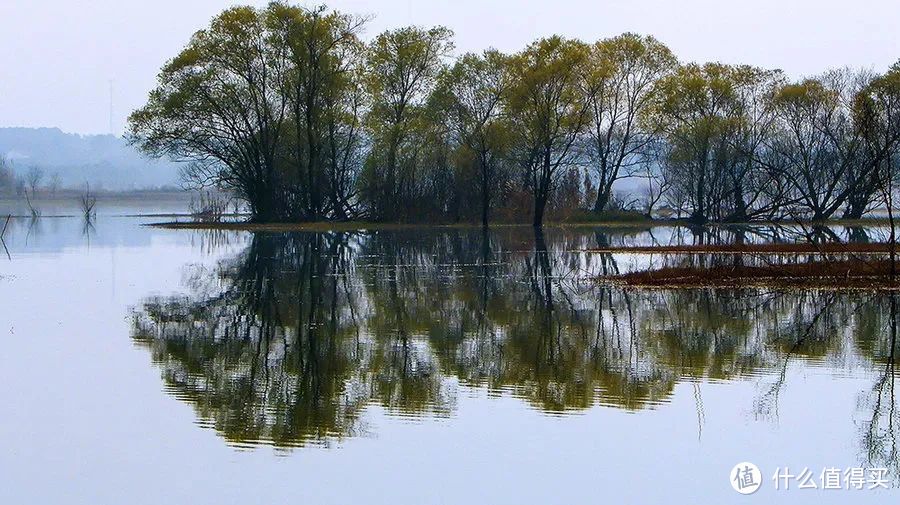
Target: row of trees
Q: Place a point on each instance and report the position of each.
(289, 109)
(742, 143)
(19, 184)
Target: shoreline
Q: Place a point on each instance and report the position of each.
(323, 226)
(367, 225)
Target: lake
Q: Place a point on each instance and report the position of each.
(426, 366)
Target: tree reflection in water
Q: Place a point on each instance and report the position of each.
(290, 341)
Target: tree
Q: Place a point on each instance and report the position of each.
(7, 176)
(817, 148)
(432, 185)
(548, 112)
(695, 109)
(33, 178)
(751, 191)
(403, 66)
(55, 183)
(473, 92)
(344, 143)
(657, 180)
(620, 89)
(876, 116)
(322, 55)
(220, 105)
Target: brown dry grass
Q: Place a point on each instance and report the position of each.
(784, 249)
(852, 274)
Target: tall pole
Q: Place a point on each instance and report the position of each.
(111, 131)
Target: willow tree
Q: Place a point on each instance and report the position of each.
(403, 66)
(323, 56)
(623, 71)
(219, 105)
(876, 115)
(817, 149)
(472, 93)
(695, 109)
(548, 112)
(751, 190)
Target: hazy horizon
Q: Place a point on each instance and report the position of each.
(62, 56)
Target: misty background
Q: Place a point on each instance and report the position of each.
(73, 160)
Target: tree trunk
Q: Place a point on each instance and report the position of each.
(698, 217)
(485, 204)
(855, 209)
(540, 203)
(542, 189)
(390, 191)
(603, 192)
(485, 195)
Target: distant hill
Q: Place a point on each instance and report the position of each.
(105, 161)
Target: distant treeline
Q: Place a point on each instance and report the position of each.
(68, 160)
(288, 109)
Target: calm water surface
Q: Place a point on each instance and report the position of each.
(422, 366)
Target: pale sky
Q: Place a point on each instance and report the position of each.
(57, 57)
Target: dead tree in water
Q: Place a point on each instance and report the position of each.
(35, 213)
(892, 240)
(210, 206)
(88, 201)
(2, 233)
